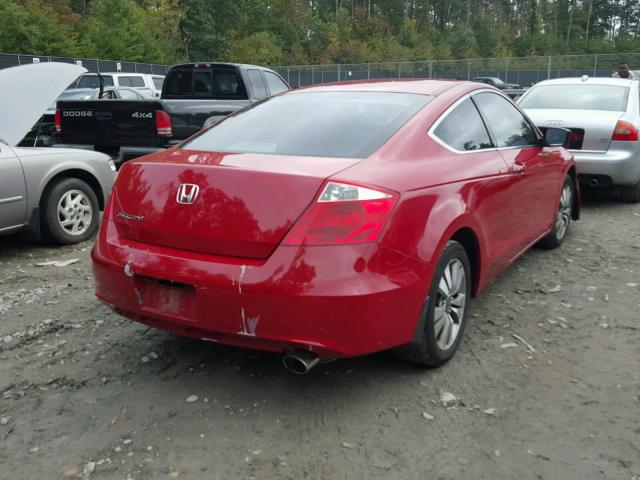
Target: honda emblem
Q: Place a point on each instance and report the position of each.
(187, 193)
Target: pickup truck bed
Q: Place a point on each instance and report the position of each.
(136, 123)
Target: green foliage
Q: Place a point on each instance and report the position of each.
(260, 49)
(317, 31)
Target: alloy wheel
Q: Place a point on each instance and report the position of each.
(450, 304)
(563, 216)
(75, 212)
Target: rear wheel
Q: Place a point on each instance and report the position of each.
(444, 316)
(563, 216)
(631, 194)
(71, 211)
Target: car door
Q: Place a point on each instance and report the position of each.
(487, 180)
(13, 190)
(535, 170)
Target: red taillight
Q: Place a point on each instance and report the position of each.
(625, 132)
(343, 214)
(164, 126)
(58, 120)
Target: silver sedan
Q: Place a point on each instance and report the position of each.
(603, 116)
(51, 192)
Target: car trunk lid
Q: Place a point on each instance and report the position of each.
(595, 127)
(239, 205)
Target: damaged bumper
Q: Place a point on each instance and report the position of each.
(335, 300)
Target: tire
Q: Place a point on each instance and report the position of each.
(70, 211)
(631, 194)
(563, 216)
(431, 347)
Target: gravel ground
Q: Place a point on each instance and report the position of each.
(546, 384)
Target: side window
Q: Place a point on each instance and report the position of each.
(257, 84)
(157, 82)
(509, 127)
(276, 85)
(463, 128)
(124, 81)
(128, 94)
(137, 81)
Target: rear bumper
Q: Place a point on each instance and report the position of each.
(620, 165)
(337, 300)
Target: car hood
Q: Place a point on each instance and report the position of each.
(27, 91)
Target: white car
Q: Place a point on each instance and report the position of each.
(53, 193)
(603, 116)
(147, 84)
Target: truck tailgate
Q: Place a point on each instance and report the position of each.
(110, 123)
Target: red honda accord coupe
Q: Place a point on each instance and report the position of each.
(335, 221)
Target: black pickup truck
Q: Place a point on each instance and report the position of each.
(194, 96)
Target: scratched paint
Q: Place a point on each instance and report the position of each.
(249, 325)
(243, 270)
(252, 324)
(139, 296)
(127, 270)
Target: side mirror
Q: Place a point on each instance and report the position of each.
(556, 137)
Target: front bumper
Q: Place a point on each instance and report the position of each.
(335, 300)
(620, 164)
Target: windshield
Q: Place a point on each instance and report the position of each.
(611, 98)
(324, 124)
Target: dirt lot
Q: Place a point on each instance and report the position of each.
(85, 393)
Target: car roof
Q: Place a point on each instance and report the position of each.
(123, 73)
(221, 64)
(416, 86)
(588, 81)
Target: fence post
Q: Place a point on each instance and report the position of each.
(430, 69)
(549, 68)
(338, 72)
(595, 66)
(368, 71)
(288, 72)
(469, 69)
(18, 58)
(313, 76)
(399, 70)
(506, 71)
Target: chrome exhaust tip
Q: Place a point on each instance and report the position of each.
(300, 362)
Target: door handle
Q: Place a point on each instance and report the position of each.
(518, 168)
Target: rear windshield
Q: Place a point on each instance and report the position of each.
(322, 124)
(611, 98)
(92, 81)
(219, 83)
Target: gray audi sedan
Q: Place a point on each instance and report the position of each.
(603, 116)
(55, 193)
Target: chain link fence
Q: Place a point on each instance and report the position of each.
(93, 65)
(524, 71)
